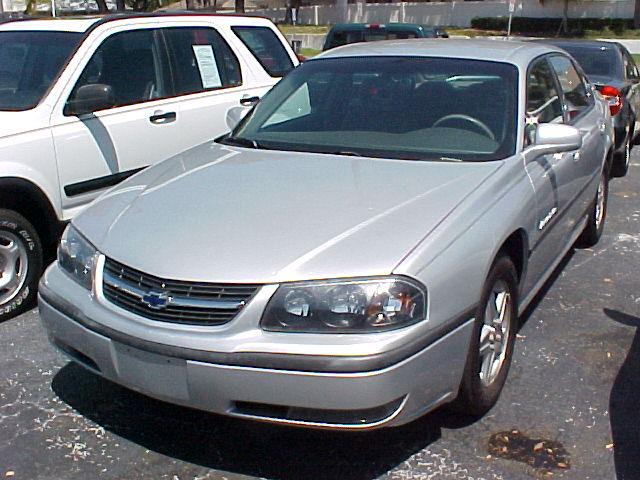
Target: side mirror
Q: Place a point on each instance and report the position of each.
(234, 116)
(553, 138)
(90, 98)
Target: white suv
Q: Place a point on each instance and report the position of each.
(85, 103)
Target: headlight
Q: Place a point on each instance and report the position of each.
(77, 257)
(345, 306)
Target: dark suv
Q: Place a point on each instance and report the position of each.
(344, 33)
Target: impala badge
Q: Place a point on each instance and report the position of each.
(543, 223)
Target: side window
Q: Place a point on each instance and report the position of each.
(128, 62)
(201, 60)
(265, 45)
(576, 99)
(543, 100)
(629, 65)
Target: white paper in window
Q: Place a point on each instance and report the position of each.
(207, 65)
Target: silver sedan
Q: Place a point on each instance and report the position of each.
(356, 252)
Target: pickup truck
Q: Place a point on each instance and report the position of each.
(87, 102)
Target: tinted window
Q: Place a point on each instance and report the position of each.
(129, 62)
(345, 37)
(392, 107)
(29, 63)
(629, 65)
(265, 45)
(543, 101)
(201, 60)
(574, 90)
(600, 61)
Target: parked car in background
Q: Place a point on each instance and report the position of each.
(357, 251)
(345, 33)
(612, 69)
(87, 102)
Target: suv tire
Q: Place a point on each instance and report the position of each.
(20, 263)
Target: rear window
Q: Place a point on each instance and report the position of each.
(345, 37)
(265, 45)
(603, 61)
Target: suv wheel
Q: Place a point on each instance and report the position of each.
(20, 263)
(492, 342)
(598, 214)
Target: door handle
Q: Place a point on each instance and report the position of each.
(159, 117)
(247, 101)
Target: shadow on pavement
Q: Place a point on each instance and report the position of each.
(244, 447)
(624, 405)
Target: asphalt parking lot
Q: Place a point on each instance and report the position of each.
(570, 409)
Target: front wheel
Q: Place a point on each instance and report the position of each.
(598, 214)
(492, 343)
(20, 263)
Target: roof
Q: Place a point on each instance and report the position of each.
(561, 42)
(510, 51)
(85, 23)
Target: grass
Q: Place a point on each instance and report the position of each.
(289, 29)
(309, 52)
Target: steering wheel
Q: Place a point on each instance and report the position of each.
(467, 118)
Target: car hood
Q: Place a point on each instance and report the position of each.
(219, 213)
(12, 123)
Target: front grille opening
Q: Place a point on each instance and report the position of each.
(194, 303)
(318, 416)
(78, 356)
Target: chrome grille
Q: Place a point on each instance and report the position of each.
(174, 301)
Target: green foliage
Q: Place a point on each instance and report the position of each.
(546, 26)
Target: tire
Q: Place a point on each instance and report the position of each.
(597, 215)
(622, 159)
(481, 387)
(20, 263)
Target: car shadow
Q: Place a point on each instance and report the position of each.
(526, 314)
(241, 446)
(624, 405)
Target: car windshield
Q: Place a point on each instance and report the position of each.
(29, 63)
(416, 108)
(602, 61)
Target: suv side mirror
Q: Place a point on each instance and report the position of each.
(553, 138)
(90, 98)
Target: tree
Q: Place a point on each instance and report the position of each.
(239, 6)
(102, 6)
(636, 15)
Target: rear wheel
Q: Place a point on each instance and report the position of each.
(597, 216)
(493, 340)
(621, 162)
(20, 263)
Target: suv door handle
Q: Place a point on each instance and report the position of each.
(160, 117)
(247, 101)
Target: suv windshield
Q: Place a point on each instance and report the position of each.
(415, 108)
(29, 63)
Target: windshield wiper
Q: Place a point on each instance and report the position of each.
(450, 159)
(348, 153)
(240, 142)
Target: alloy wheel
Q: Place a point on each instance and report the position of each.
(13, 266)
(495, 332)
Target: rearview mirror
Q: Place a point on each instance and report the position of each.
(553, 138)
(90, 98)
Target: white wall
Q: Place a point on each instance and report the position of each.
(454, 13)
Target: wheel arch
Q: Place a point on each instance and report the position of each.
(27, 199)
(516, 247)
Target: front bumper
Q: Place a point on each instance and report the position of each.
(389, 396)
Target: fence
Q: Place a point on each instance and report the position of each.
(454, 13)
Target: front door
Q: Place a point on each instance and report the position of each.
(97, 150)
